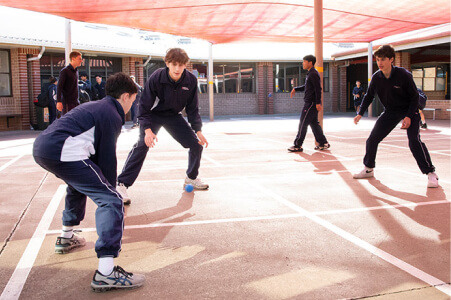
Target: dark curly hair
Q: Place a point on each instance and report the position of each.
(385, 51)
(118, 84)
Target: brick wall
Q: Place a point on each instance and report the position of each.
(441, 114)
(342, 93)
(334, 87)
(265, 85)
(229, 104)
(402, 59)
(283, 104)
(22, 96)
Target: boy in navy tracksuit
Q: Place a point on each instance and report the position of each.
(166, 93)
(312, 106)
(399, 96)
(80, 148)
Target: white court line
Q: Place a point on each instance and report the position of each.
(407, 148)
(11, 162)
(311, 150)
(207, 157)
(423, 139)
(260, 218)
(23, 268)
(423, 276)
(414, 173)
(359, 137)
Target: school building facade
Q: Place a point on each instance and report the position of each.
(240, 87)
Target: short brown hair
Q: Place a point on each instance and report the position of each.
(118, 84)
(176, 55)
(385, 51)
(74, 54)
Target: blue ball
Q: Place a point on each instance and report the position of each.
(189, 188)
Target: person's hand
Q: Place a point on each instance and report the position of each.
(405, 123)
(319, 107)
(292, 93)
(150, 138)
(357, 119)
(59, 106)
(358, 96)
(202, 139)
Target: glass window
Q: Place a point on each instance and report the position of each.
(200, 71)
(218, 78)
(247, 78)
(279, 78)
(5, 74)
(231, 78)
(418, 82)
(430, 78)
(325, 77)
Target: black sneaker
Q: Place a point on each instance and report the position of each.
(295, 149)
(424, 125)
(64, 245)
(118, 279)
(323, 147)
(136, 125)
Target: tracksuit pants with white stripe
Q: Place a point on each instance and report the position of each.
(309, 116)
(180, 130)
(386, 122)
(84, 178)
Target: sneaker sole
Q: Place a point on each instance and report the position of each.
(363, 177)
(293, 151)
(103, 289)
(195, 188)
(68, 249)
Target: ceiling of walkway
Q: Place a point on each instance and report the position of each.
(224, 21)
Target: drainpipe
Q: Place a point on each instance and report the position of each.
(39, 55)
(147, 61)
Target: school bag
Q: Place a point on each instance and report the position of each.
(43, 98)
(422, 99)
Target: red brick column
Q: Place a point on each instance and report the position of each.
(30, 84)
(265, 85)
(334, 87)
(402, 59)
(343, 96)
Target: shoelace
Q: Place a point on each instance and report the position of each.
(119, 271)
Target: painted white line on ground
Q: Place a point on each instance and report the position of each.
(416, 174)
(162, 223)
(423, 276)
(23, 268)
(310, 149)
(407, 148)
(359, 137)
(11, 162)
(216, 163)
(423, 139)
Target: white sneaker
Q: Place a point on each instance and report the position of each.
(365, 173)
(432, 180)
(122, 190)
(197, 183)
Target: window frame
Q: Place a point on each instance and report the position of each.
(8, 73)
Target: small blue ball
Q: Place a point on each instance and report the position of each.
(189, 188)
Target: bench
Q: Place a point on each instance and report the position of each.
(433, 110)
(8, 117)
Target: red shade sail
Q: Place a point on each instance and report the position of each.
(223, 21)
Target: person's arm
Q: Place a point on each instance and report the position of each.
(59, 90)
(412, 94)
(192, 110)
(369, 96)
(146, 102)
(297, 89)
(316, 82)
(107, 131)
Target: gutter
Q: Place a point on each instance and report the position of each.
(39, 55)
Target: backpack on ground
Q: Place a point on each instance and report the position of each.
(43, 98)
(422, 99)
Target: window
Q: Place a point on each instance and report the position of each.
(227, 78)
(5, 74)
(326, 77)
(430, 78)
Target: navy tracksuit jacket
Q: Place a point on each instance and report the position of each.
(160, 105)
(399, 96)
(80, 148)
